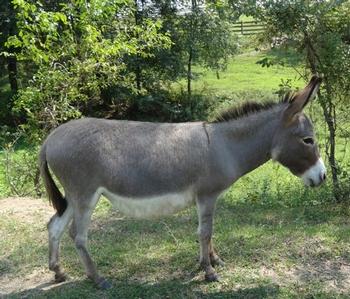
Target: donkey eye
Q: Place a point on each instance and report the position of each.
(308, 140)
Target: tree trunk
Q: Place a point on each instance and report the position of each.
(329, 116)
(190, 55)
(328, 113)
(189, 73)
(138, 74)
(138, 20)
(12, 60)
(12, 72)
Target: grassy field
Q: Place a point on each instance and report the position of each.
(278, 238)
(243, 74)
(270, 250)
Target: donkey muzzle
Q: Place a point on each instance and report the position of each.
(315, 175)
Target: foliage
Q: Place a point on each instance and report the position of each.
(319, 30)
(200, 34)
(112, 60)
(207, 33)
(8, 28)
(172, 106)
(20, 170)
(78, 52)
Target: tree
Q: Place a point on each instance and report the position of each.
(207, 38)
(8, 64)
(78, 51)
(200, 34)
(8, 25)
(320, 31)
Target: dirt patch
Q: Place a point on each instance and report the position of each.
(39, 279)
(334, 275)
(35, 212)
(26, 209)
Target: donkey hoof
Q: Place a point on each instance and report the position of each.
(60, 277)
(211, 277)
(104, 284)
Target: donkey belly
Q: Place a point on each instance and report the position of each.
(150, 207)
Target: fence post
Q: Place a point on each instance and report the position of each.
(242, 27)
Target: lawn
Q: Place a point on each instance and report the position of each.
(243, 74)
(271, 251)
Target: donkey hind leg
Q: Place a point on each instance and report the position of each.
(56, 227)
(79, 231)
(215, 260)
(205, 230)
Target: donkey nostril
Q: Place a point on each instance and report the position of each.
(323, 177)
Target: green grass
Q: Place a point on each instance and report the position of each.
(271, 251)
(4, 190)
(243, 74)
(245, 18)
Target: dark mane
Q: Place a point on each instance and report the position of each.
(248, 108)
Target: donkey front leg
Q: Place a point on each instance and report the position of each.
(79, 231)
(206, 207)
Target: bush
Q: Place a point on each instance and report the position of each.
(21, 176)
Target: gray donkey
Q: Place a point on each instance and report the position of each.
(153, 169)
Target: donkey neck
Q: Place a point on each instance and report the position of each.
(248, 140)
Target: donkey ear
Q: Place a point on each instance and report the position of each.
(301, 98)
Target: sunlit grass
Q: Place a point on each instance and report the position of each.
(244, 74)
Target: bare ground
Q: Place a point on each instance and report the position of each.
(26, 211)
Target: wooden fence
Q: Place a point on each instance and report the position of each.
(248, 27)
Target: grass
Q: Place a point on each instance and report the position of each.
(243, 74)
(270, 251)
(4, 189)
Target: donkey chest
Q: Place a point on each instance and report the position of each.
(151, 207)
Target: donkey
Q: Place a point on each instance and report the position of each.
(152, 169)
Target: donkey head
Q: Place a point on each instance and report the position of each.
(294, 144)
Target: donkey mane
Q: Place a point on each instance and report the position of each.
(248, 108)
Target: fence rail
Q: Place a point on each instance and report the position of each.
(248, 27)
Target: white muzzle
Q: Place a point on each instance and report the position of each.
(315, 175)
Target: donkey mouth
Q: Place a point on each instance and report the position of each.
(312, 183)
(315, 175)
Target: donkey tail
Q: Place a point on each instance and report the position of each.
(54, 194)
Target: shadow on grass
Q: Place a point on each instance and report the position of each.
(287, 57)
(128, 289)
(165, 289)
